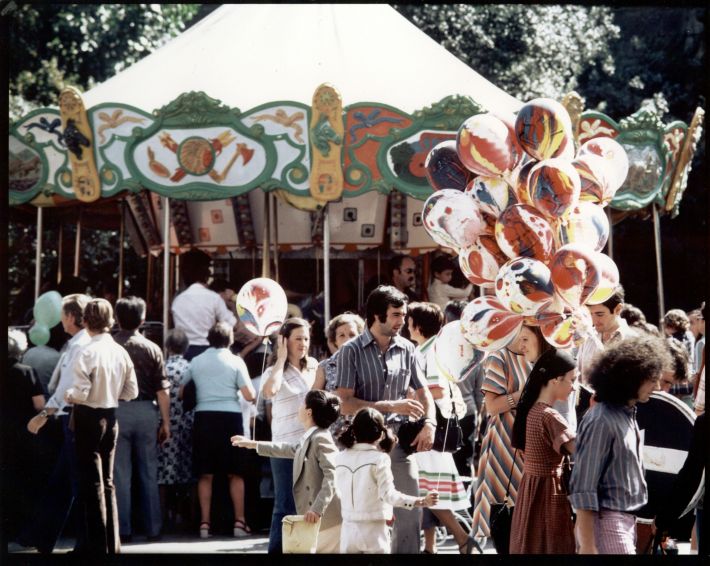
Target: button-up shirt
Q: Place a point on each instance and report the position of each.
(63, 375)
(196, 310)
(608, 468)
(376, 376)
(148, 363)
(593, 345)
(103, 374)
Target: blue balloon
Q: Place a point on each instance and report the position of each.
(48, 309)
(39, 334)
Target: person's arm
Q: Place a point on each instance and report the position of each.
(425, 439)
(495, 387)
(452, 292)
(319, 382)
(246, 388)
(325, 451)
(585, 531)
(163, 399)
(223, 314)
(389, 494)
(273, 382)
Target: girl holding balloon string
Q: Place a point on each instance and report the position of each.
(286, 382)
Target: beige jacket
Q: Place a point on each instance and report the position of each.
(313, 474)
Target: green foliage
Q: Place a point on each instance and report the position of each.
(54, 45)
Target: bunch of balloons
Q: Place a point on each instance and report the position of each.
(47, 314)
(527, 222)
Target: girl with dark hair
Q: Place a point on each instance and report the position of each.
(313, 466)
(364, 481)
(286, 381)
(542, 518)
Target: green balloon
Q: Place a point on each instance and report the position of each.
(39, 334)
(48, 309)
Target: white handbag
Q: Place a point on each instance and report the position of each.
(298, 536)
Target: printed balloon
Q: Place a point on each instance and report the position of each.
(39, 334)
(488, 325)
(452, 218)
(554, 187)
(481, 261)
(609, 279)
(614, 157)
(575, 273)
(585, 224)
(452, 352)
(523, 231)
(492, 194)
(262, 306)
(487, 145)
(47, 310)
(544, 129)
(443, 167)
(523, 286)
(520, 180)
(594, 184)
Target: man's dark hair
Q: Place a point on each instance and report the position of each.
(195, 267)
(74, 305)
(324, 406)
(176, 342)
(395, 262)
(619, 371)
(427, 317)
(632, 315)
(220, 335)
(617, 298)
(130, 312)
(453, 310)
(219, 285)
(380, 299)
(676, 320)
(441, 263)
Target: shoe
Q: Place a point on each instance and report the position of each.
(241, 529)
(468, 546)
(204, 529)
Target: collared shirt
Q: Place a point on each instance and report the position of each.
(218, 376)
(441, 293)
(196, 310)
(592, 347)
(377, 376)
(148, 363)
(103, 374)
(63, 374)
(608, 468)
(285, 426)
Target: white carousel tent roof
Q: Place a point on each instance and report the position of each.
(249, 54)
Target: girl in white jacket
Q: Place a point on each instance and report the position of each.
(363, 479)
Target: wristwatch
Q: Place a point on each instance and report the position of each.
(44, 414)
(432, 422)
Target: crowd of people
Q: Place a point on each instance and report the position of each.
(221, 400)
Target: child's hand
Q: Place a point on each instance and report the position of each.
(242, 442)
(311, 517)
(431, 499)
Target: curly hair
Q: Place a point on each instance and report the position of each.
(345, 318)
(633, 315)
(676, 320)
(620, 370)
(680, 359)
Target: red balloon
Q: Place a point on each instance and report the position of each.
(443, 167)
(523, 231)
(575, 273)
(544, 129)
(481, 261)
(487, 145)
(487, 325)
(554, 187)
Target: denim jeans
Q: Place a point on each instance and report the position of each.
(282, 473)
(138, 438)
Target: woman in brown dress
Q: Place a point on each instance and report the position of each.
(542, 518)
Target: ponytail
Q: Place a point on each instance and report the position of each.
(368, 426)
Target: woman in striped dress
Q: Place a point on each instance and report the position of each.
(505, 373)
(437, 470)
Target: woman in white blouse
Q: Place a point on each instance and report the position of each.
(286, 381)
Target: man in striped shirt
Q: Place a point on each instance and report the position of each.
(607, 482)
(376, 369)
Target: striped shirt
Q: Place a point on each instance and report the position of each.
(285, 426)
(608, 469)
(375, 376)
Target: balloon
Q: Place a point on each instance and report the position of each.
(559, 330)
(492, 194)
(487, 145)
(575, 273)
(584, 224)
(443, 167)
(615, 161)
(39, 334)
(48, 309)
(520, 180)
(523, 286)
(523, 231)
(453, 353)
(595, 186)
(262, 306)
(452, 218)
(487, 325)
(554, 187)
(544, 129)
(481, 261)
(609, 279)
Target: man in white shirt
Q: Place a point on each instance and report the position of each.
(63, 487)
(197, 308)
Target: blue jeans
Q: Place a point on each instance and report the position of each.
(138, 438)
(282, 473)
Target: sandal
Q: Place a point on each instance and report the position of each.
(468, 546)
(204, 529)
(241, 529)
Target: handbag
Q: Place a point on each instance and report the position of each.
(502, 518)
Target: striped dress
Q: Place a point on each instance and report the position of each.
(437, 470)
(505, 373)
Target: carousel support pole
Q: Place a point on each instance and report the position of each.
(326, 267)
(659, 266)
(166, 266)
(360, 283)
(610, 241)
(149, 279)
(38, 256)
(121, 259)
(266, 232)
(77, 246)
(275, 226)
(60, 255)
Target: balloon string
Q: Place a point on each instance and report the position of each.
(258, 393)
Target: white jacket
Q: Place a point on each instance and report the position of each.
(364, 482)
